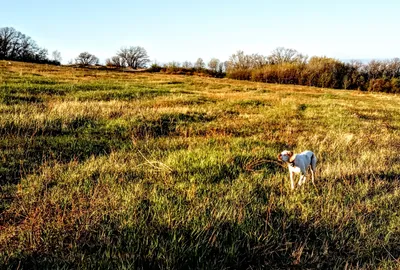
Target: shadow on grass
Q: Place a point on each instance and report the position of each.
(25, 147)
(167, 124)
(21, 156)
(9, 99)
(279, 241)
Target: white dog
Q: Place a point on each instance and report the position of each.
(299, 163)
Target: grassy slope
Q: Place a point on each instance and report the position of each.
(105, 169)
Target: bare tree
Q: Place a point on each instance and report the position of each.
(258, 60)
(375, 69)
(134, 57)
(86, 59)
(239, 60)
(213, 64)
(187, 64)
(116, 61)
(282, 55)
(394, 68)
(199, 64)
(9, 42)
(222, 66)
(56, 55)
(173, 64)
(16, 46)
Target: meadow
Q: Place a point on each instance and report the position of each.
(132, 170)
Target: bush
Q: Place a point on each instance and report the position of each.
(154, 68)
(395, 85)
(380, 85)
(239, 74)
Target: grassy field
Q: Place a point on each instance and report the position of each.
(108, 169)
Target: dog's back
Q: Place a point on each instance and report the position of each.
(310, 157)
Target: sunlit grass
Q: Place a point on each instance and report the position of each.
(106, 169)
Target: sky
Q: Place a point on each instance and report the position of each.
(184, 30)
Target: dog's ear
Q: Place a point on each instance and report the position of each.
(280, 157)
(290, 153)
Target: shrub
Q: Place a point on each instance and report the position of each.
(239, 74)
(154, 68)
(395, 85)
(380, 85)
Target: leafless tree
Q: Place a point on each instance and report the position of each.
(173, 64)
(375, 69)
(86, 59)
(258, 60)
(116, 61)
(282, 55)
(187, 64)
(199, 64)
(393, 67)
(9, 42)
(222, 67)
(213, 64)
(239, 60)
(134, 57)
(16, 46)
(56, 55)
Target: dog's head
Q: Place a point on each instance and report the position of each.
(285, 156)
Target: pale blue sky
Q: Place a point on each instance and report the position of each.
(179, 30)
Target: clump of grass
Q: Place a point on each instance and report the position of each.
(250, 103)
(203, 166)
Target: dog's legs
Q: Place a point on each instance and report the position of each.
(302, 179)
(312, 169)
(312, 176)
(303, 176)
(291, 180)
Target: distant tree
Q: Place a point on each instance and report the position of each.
(199, 64)
(16, 46)
(393, 68)
(326, 72)
(258, 60)
(187, 64)
(213, 64)
(116, 61)
(222, 67)
(134, 57)
(56, 55)
(375, 69)
(10, 42)
(283, 55)
(355, 75)
(173, 64)
(154, 67)
(239, 61)
(86, 59)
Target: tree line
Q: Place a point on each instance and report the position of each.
(283, 66)
(287, 66)
(214, 68)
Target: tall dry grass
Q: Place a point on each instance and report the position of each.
(103, 169)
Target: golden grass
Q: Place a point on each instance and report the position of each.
(102, 168)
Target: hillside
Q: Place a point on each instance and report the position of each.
(106, 169)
